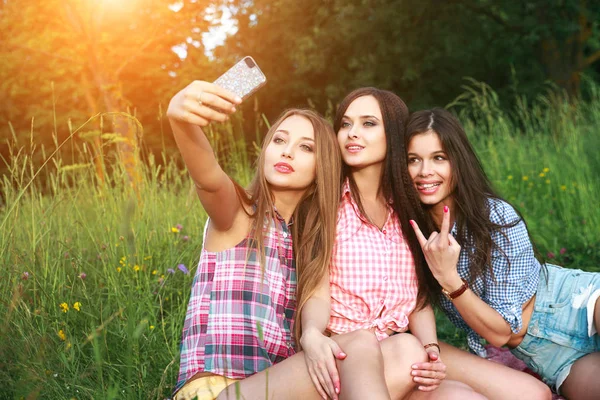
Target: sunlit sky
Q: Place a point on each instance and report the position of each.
(211, 39)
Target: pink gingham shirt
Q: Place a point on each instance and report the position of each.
(372, 274)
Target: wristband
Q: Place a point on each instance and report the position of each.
(432, 345)
(451, 296)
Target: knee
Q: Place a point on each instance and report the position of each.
(408, 349)
(542, 392)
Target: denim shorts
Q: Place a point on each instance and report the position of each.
(557, 334)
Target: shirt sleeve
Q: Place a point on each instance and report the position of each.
(514, 266)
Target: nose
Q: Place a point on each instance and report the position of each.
(353, 132)
(425, 169)
(287, 152)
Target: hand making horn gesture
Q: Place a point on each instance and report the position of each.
(441, 252)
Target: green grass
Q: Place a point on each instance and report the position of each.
(123, 342)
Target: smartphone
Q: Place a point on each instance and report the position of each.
(243, 79)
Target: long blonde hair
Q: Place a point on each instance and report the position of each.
(315, 217)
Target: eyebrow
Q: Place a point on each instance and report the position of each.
(288, 133)
(363, 117)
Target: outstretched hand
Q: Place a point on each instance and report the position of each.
(441, 250)
(202, 102)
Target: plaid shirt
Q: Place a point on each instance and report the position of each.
(514, 281)
(230, 299)
(372, 274)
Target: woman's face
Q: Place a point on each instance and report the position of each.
(362, 135)
(430, 169)
(290, 162)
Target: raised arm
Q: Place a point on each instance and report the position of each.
(194, 107)
(493, 321)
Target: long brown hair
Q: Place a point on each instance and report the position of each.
(472, 188)
(315, 217)
(395, 184)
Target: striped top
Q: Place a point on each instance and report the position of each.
(239, 319)
(372, 273)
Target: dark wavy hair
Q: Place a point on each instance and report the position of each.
(472, 188)
(395, 184)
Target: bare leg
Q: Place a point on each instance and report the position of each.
(448, 390)
(582, 382)
(400, 352)
(495, 381)
(361, 374)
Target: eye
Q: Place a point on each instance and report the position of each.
(345, 124)
(412, 160)
(306, 147)
(440, 158)
(369, 123)
(277, 140)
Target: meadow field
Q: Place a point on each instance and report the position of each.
(96, 274)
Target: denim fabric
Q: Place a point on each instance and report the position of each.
(557, 334)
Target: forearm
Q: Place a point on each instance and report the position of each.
(422, 325)
(315, 314)
(482, 318)
(198, 155)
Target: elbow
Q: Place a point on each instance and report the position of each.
(498, 340)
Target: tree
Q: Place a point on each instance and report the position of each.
(102, 56)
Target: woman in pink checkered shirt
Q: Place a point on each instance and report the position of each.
(373, 285)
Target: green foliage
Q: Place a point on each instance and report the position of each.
(123, 341)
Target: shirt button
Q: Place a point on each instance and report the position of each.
(381, 301)
(384, 231)
(385, 278)
(285, 234)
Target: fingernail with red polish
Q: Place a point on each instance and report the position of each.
(445, 208)
(412, 222)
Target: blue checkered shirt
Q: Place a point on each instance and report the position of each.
(515, 279)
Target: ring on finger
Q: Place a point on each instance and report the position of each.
(199, 97)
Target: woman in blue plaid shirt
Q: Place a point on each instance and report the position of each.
(492, 285)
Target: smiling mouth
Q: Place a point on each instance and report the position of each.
(354, 148)
(427, 185)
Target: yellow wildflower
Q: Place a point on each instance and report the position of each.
(548, 181)
(542, 174)
(136, 268)
(546, 169)
(151, 327)
(118, 269)
(525, 178)
(61, 335)
(563, 187)
(154, 272)
(64, 307)
(147, 257)
(510, 177)
(77, 306)
(174, 229)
